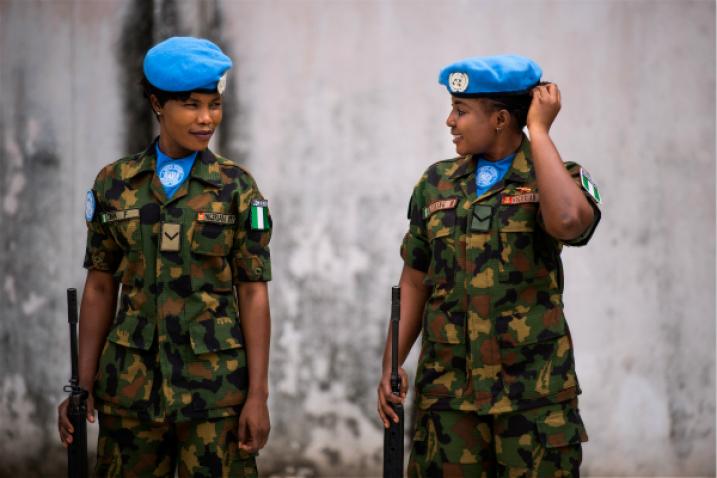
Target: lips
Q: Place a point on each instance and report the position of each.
(457, 138)
(204, 135)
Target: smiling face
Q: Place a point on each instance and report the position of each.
(473, 125)
(187, 125)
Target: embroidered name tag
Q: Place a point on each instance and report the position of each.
(216, 217)
(521, 198)
(114, 216)
(439, 205)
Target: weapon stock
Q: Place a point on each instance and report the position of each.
(393, 436)
(77, 408)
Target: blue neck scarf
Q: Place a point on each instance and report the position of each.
(172, 172)
(488, 173)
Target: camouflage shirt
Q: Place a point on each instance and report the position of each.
(175, 349)
(494, 338)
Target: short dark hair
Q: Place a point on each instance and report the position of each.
(163, 96)
(517, 104)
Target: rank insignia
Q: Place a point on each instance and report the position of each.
(589, 186)
(259, 214)
(170, 241)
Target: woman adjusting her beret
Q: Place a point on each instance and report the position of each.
(482, 283)
(179, 373)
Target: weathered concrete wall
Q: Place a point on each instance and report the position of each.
(336, 111)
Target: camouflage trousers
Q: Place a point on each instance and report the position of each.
(537, 443)
(129, 447)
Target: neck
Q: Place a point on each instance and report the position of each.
(174, 151)
(506, 144)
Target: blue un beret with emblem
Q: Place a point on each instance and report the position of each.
(186, 64)
(488, 75)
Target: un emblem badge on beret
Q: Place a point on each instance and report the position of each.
(222, 84)
(458, 82)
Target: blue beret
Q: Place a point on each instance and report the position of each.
(485, 75)
(186, 64)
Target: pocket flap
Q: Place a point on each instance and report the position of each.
(211, 334)
(130, 329)
(212, 239)
(560, 428)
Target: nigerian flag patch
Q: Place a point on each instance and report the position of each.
(590, 186)
(259, 215)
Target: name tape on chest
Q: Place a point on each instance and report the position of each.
(521, 198)
(114, 216)
(216, 217)
(439, 205)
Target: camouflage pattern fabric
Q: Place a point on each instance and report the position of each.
(129, 448)
(543, 442)
(175, 350)
(494, 335)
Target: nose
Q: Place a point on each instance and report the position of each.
(451, 120)
(205, 116)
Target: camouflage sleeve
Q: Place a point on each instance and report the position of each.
(102, 253)
(415, 250)
(250, 259)
(593, 196)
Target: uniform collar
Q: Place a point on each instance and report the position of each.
(206, 166)
(521, 171)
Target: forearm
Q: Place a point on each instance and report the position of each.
(413, 299)
(565, 209)
(97, 308)
(256, 326)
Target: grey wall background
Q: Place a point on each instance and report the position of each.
(335, 109)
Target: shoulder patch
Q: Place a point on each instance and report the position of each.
(589, 186)
(259, 214)
(90, 206)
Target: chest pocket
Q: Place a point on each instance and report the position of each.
(124, 225)
(212, 239)
(518, 228)
(440, 228)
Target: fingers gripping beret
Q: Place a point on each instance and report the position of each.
(186, 64)
(484, 75)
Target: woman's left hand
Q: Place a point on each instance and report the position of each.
(543, 108)
(254, 425)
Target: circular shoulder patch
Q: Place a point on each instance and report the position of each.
(90, 206)
(458, 82)
(171, 175)
(222, 84)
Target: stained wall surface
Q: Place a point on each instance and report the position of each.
(334, 108)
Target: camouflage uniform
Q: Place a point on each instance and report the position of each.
(494, 339)
(175, 351)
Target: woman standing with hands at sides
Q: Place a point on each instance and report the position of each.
(179, 373)
(482, 282)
